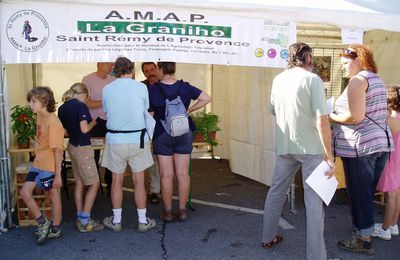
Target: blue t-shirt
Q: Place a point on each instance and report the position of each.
(187, 93)
(125, 101)
(71, 113)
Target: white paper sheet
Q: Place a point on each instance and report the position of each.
(352, 36)
(329, 104)
(319, 182)
(150, 123)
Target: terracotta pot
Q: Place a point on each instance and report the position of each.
(23, 146)
(198, 138)
(213, 135)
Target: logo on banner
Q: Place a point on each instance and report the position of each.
(27, 30)
(259, 52)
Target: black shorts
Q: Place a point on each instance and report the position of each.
(100, 129)
(165, 144)
(31, 176)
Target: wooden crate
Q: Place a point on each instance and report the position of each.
(25, 217)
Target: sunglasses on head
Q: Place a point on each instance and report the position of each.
(349, 52)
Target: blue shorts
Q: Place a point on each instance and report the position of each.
(43, 179)
(165, 144)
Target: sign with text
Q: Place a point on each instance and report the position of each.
(65, 33)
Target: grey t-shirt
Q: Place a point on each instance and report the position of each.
(297, 99)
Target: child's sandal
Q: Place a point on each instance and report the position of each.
(277, 239)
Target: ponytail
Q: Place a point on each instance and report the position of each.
(76, 88)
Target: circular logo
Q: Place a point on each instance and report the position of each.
(27, 30)
(271, 53)
(259, 52)
(284, 54)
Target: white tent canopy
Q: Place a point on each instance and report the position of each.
(364, 14)
(341, 13)
(240, 93)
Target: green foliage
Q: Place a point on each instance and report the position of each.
(206, 123)
(23, 123)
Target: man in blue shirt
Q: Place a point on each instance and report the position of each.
(125, 101)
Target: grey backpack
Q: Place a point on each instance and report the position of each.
(176, 121)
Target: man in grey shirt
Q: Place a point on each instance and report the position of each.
(298, 102)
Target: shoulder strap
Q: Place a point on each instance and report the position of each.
(384, 129)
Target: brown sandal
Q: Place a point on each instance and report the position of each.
(277, 239)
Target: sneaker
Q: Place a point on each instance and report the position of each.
(356, 245)
(92, 226)
(146, 227)
(394, 230)
(54, 234)
(379, 232)
(108, 223)
(42, 231)
(51, 234)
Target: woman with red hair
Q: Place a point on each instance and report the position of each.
(362, 139)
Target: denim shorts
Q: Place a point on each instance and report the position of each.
(165, 144)
(43, 179)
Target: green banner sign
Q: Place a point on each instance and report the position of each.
(154, 28)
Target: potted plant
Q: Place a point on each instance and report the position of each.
(206, 127)
(23, 125)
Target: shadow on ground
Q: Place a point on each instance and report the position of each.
(211, 232)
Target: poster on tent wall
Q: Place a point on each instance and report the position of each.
(44, 32)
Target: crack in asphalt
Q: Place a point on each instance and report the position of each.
(162, 241)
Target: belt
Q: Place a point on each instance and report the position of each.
(142, 134)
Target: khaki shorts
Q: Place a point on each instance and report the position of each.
(117, 156)
(83, 164)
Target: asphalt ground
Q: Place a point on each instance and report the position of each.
(226, 224)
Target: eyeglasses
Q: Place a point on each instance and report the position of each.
(349, 52)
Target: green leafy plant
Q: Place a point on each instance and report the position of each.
(206, 124)
(23, 124)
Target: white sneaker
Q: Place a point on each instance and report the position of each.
(379, 232)
(394, 230)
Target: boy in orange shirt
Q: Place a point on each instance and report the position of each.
(46, 170)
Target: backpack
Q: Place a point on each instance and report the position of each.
(176, 121)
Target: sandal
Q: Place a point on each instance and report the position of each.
(277, 239)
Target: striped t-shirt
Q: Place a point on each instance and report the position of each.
(366, 137)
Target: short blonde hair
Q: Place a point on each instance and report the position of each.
(76, 88)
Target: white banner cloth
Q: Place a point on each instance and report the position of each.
(44, 32)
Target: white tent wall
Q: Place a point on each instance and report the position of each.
(20, 80)
(386, 46)
(241, 97)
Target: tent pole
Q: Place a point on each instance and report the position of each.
(34, 79)
(4, 177)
